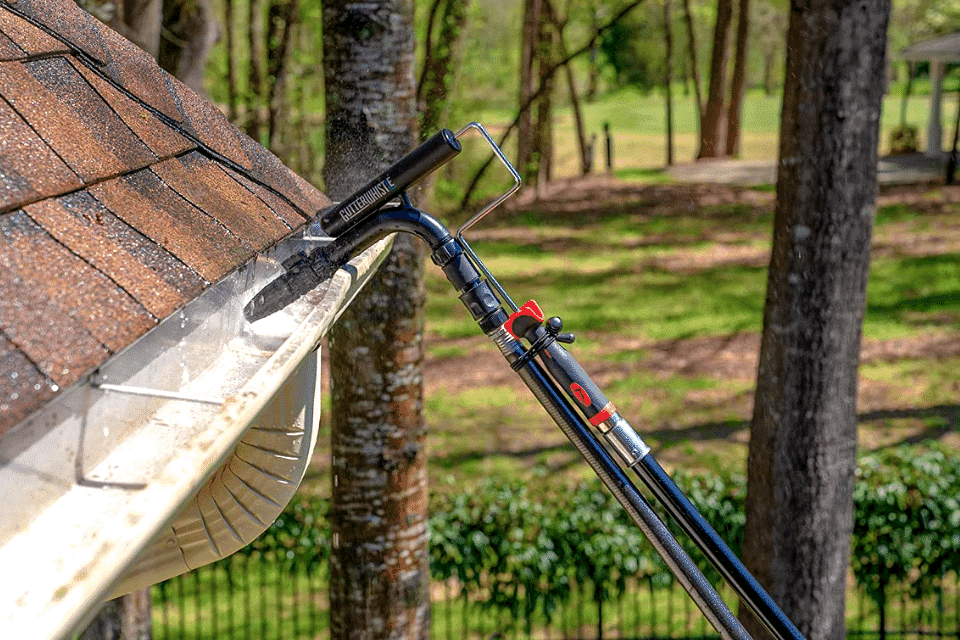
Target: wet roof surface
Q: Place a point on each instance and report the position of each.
(122, 196)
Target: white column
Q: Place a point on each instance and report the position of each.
(934, 129)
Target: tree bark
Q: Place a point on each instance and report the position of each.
(668, 77)
(711, 127)
(694, 68)
(284, 21)
(189, 34)
(441, 59)
(123, 618)
(739, 79)
(379, 571)
(541, 152)
(529, 45)
(803, 433)
(255, 75)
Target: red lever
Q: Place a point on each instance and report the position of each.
(529, 315)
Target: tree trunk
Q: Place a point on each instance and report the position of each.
(284, 20)
(694, 68)
(123, 618)
(190, 32)
(255, 74)
(524, 106)
(541, 152)
(668, 77)
(379, 571)
(803, 433)
(230, 32)
(711, 127)
(529, 42)
(441, 60)
(144, 18)
(739, 80)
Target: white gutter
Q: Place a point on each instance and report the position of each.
(179, 451)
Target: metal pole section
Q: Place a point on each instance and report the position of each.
(706, 538)
(640, 511)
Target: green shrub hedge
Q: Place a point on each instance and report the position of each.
(523, 549)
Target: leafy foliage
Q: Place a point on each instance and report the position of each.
(525, 549)
(907, 520)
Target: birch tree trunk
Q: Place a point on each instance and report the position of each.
(803, 433)
(379, 571)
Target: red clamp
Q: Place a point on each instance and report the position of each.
(522, 320)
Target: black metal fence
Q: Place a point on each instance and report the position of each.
(260, 598)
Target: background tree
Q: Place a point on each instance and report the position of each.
(189, 31)
(379, 564)
(668, 76)
(539, 45)
(771, 27)
(803, 433)
(443, 42)
(178, 33)
(712, 124)
(738, 81)
(693, 62)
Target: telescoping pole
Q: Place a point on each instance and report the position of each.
(568, 394)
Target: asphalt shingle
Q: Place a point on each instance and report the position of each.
(123, 195)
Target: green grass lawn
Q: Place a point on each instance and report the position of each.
(637, 123)
(636, 282)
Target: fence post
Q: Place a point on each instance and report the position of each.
(609, 146)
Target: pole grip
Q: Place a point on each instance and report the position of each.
(364, 202)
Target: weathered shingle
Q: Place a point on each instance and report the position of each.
(204, 184)
(45, 266)
(94, 234)
(144, 202)
(46, 333)
(122, 196)
(72, 118)
(30, 168)
(66, 22)
(9, 49)
(23, 384)
(28, 39)
(163, 140)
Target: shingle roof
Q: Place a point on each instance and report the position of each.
(122, 196)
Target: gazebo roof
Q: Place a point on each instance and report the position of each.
(943, 49)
